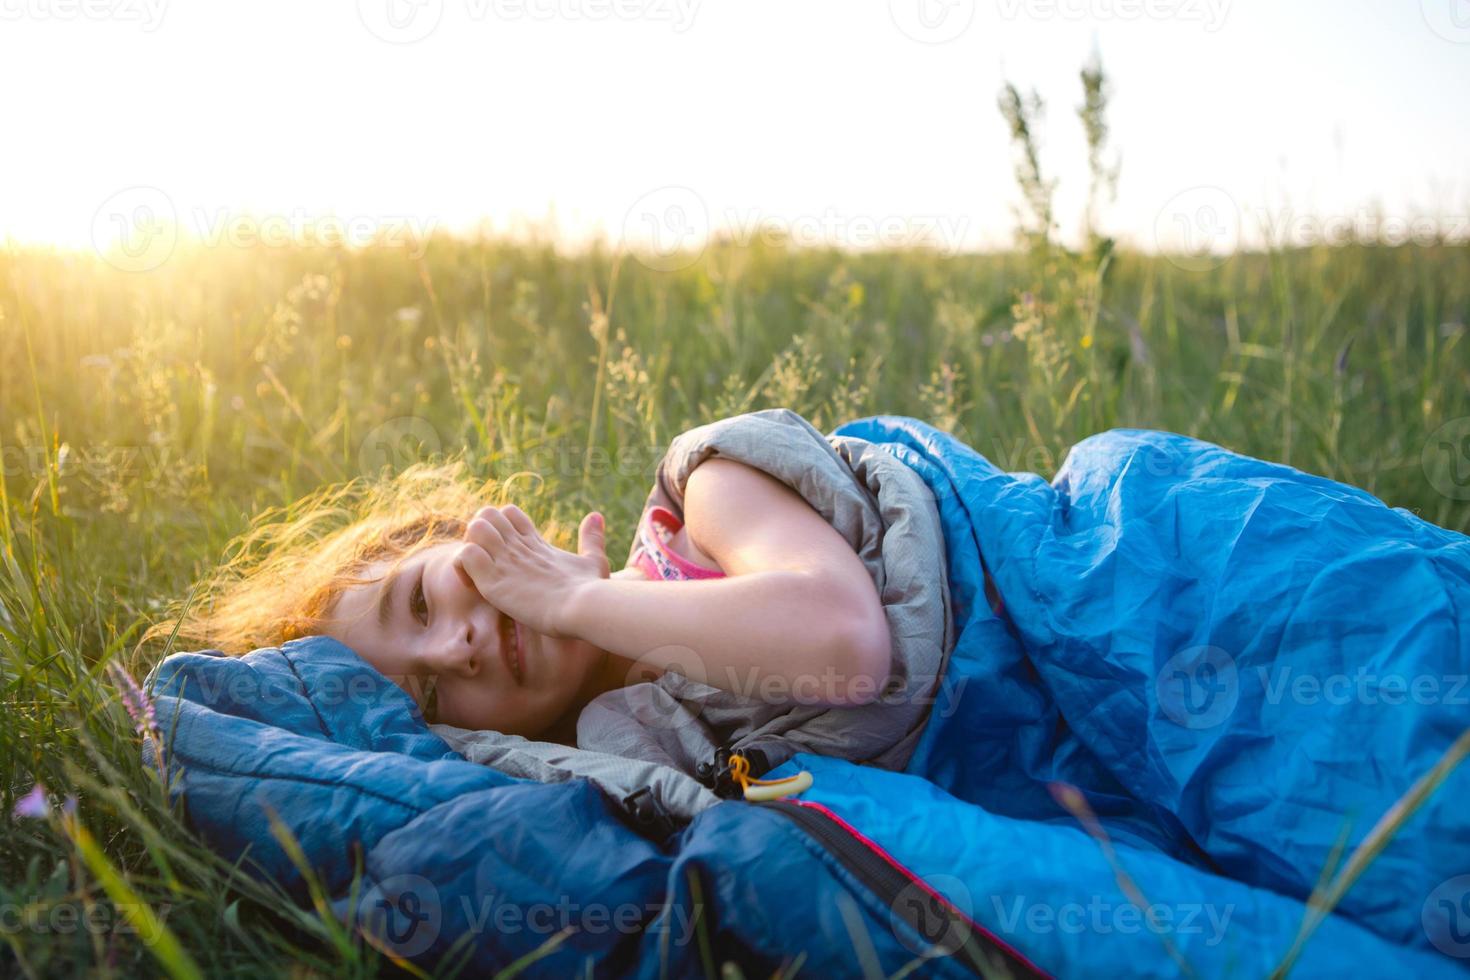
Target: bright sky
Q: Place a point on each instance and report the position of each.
(865, 121)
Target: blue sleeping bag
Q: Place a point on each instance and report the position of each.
(1239, 667)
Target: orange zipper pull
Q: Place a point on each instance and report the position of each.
(758, 790)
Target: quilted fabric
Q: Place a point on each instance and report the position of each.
(1237, 665)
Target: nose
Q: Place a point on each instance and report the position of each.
(460, 650)
(465, 634)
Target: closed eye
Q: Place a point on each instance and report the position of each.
(418, 602)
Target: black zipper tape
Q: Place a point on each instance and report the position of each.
(944, 927)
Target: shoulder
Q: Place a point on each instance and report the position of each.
(721, 482)
(722, 476)
(748, 521)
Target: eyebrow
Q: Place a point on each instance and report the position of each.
(385, 595)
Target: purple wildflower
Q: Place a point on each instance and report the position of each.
(139, 706)
(32, 806)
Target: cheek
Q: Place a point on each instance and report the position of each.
(521, 711)
(568, 663)
(480, 709)
(510, 712)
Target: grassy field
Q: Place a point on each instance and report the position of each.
(145, 416)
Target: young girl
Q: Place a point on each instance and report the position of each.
(735, 583)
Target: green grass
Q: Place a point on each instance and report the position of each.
(145, 416)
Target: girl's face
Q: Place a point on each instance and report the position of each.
(426, 628)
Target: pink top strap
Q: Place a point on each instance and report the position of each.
(655, 558)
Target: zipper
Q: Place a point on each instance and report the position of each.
(928, 913)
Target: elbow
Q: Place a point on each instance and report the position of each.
(866, 660)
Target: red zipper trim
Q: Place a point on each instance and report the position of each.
(915, 879)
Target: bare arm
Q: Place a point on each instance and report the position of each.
(796, 619)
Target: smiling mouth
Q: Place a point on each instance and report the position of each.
(513, 650)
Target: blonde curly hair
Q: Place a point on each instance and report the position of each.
(282, 575)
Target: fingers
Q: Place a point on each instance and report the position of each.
(507, 521)
(591, 536)
(519, 520)
(484, 534)
(491, 529)
(475, 563)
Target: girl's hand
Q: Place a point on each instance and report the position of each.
(524, 576)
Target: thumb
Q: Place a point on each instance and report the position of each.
(591, 536)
